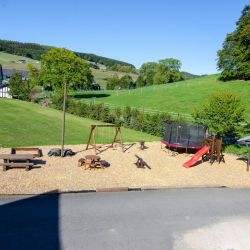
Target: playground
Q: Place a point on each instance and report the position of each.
(166, 170)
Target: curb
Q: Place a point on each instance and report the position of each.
(120, 189)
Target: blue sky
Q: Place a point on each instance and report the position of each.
(134, 31)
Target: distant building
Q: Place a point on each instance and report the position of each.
(7, 73)
(21, 61)
(4, 91)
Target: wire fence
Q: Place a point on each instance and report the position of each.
(141, 109)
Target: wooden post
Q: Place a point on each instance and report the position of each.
(63, 120)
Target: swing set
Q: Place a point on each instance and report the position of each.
(94, 135)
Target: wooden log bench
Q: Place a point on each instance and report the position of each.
(17, 160)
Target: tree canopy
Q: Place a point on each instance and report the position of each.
(222, 112)
(35, 51)
(234, 57)
(165, 71)
(60, 66)
(125, 82)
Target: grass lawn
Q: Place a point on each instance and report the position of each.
(180, 97)
(100, 76)
(27, 124)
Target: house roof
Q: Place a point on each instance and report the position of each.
(9, 72)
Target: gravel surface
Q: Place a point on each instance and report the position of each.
(63, 174)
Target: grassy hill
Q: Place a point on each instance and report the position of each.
(27, 124)
(34, 51)
(180, 97)
(10, 61)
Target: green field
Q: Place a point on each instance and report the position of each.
(181, 97)
(27, 124)
(100, 76)
(11, 61)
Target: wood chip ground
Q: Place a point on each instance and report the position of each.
(63, 174)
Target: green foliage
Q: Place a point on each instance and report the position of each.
(167, 70)
(113, 82)
(26, 124)
(125, 82)
(35, 51)
(147, 72)
(235, 149)
(171, 63)
(123, 68)
(15, 84)
(222, 112)
(60, 66)
(20, 89)
(179, 97)
(129, 118)
(234, 57)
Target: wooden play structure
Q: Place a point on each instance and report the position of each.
(215, 150)
(211, 150)
(92, 141)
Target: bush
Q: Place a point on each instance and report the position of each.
(129, 118)
(222, 112)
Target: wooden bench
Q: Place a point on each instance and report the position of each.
(27, 165)
(38, 151)
(17, 160)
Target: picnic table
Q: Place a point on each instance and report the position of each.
(17, 160)
(91, 162)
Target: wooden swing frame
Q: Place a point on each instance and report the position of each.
(92, 136)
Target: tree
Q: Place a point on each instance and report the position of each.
(61, 66)
(147, 72)
(234, 57)
(15, 85)
(222, 112)
(113, 82)
(162, 74)
(21, 89)
(165, 71)
(126, 82)
(171, 63)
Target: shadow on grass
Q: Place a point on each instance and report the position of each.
(90, 95)
(30, 223)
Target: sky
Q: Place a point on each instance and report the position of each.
(134, 31)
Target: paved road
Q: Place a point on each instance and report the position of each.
(172, 219)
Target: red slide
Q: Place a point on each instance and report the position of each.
(196, 157)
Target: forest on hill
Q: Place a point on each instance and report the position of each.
(34, 51)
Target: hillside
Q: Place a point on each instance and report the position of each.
(34, 51)
(15, 129)
(10, 61)
(180, 97)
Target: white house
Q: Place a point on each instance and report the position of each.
(4, 91)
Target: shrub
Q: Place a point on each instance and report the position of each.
(222, 112)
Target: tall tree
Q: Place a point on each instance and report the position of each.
(147, 72)
(61, 66)
(172, 63)
(234, 57)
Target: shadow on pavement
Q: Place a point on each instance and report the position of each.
(30, 223)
